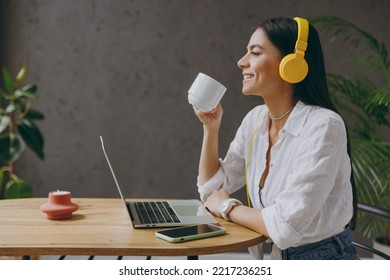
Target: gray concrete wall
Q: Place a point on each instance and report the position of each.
(122, 69)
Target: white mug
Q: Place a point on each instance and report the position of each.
(205, 93)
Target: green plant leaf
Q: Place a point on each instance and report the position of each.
(357, 90)
(34, 115)
(31, 88)
(2, 94)
(11, 147)
(352, 34)
(371, 164)
(19, 93)
(378, 105)
(29, 113)
(370, 227)
(374, 103)
(28, 91)
(10, 108)
(17, 188)
(32, 137)
(382, 97)
(22, 74)
(4, 122)
(8, 80)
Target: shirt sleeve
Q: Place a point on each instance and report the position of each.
(231, 174)
(312, 179)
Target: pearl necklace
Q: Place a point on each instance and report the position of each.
(281, 117)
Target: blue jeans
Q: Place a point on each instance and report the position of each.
(337, 247)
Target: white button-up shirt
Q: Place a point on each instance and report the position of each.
(307, 195)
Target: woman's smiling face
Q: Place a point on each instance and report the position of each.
(260, 66)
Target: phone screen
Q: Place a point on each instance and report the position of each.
(191, 230)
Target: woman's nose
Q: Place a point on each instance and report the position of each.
(242, 63)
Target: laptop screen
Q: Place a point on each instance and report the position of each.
(112, 170)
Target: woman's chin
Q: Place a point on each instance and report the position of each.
(249, 92)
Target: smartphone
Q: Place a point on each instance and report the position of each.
(181, 234)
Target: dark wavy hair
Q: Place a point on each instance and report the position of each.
(313, 90)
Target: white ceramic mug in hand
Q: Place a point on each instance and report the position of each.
(205, 93)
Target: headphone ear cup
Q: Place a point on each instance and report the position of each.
(293, 69)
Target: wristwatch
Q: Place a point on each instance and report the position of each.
(226, 207)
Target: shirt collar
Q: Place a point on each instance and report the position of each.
(297, 118)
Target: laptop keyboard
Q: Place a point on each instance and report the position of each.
(156, 212)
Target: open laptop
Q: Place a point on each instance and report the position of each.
(167, 213)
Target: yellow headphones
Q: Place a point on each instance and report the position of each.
(293, 68)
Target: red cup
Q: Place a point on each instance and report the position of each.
(59, 205)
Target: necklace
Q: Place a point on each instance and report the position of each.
(281, 117)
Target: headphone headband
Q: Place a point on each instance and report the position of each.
(293, 67)
(303, 34)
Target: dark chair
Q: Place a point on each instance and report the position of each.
(374, 211)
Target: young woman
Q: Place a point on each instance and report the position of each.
(292, 152)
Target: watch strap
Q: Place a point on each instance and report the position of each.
(226, 211)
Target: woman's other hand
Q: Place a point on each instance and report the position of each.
(215, 200)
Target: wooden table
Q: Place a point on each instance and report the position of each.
(100, 227)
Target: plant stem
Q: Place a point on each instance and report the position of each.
(11, 169)
(26, 110)
(2, 187)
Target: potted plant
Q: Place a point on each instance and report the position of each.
(17, 131)
(366, 105)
